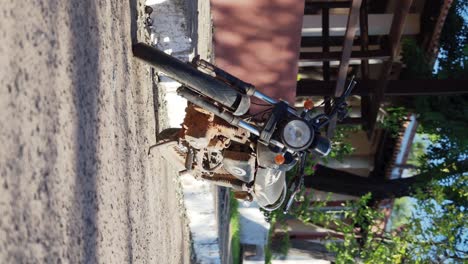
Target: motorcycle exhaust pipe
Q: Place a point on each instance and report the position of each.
(242, 86)
(186, 74)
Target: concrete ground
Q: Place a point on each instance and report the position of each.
(183, 28)
(77, 119)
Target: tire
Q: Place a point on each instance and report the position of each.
(192, 78)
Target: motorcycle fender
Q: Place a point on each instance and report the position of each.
(269, 185)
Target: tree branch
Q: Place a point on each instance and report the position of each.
(336, 181)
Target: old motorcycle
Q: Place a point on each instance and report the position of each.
(221, 143)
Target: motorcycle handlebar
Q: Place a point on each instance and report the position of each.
(273, 101)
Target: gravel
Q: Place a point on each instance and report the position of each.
(77, 119)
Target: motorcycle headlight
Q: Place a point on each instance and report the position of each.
(297, 135)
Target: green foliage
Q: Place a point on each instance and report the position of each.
(401, 214)
(445, 165)
(340, 146)
(417, 65)
(417, 151)
(394, 119)
(438, 229)
(436, 234)
(234, 224)
(453, 59)
(453, 54)
(445, 116)
(284, 244)
(268, 253)
(363, 240)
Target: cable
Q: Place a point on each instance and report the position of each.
(252, 102)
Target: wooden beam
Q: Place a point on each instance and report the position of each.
(326, 48)
(396, 30)
(337, 55)
(307, 87)
(326, 42)
(337, 40)
(363, 25)
(351, 29)
(311, 6)
(433, 47)
(351, 121)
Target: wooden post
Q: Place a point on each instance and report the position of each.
(395, 87)
(365, 100)
(326, 41)
(327, 56)
(401, 12)
(351, 29)
(309, 4)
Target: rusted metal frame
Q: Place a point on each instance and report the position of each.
(327, 56)
(307, 87)
(396, 31)
(364, 32)
(351, 29)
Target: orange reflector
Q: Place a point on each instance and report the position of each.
(279, 159)
(308, 104)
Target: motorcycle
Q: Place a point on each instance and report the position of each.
(221, 143)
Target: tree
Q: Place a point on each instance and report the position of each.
(448, 115)
(453, 55)
(440, 238)
(335, 181)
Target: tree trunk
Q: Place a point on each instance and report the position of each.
(336, 181)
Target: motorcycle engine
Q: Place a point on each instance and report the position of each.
(225, 155)
(221, 148)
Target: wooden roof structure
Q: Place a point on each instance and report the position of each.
(258, 41)
(357, 19)
(373, 91)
